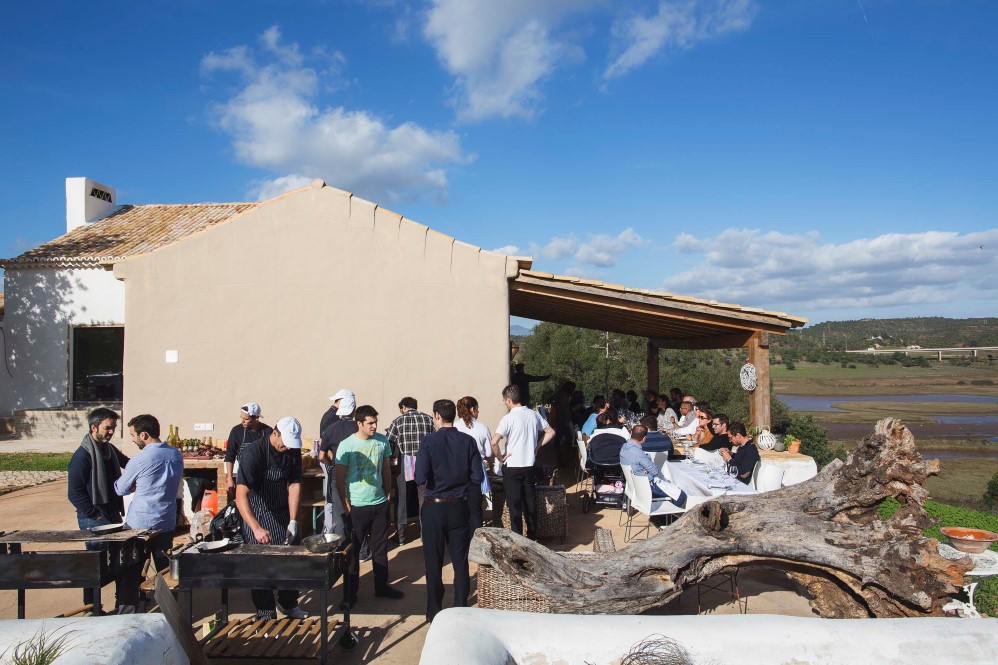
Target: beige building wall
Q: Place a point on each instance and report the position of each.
(311, 292)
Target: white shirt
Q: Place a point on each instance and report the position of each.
(521, 428)
(478, 431)
(690, 428)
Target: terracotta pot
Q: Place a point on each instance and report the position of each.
(794, 446)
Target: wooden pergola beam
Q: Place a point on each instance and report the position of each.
(758, 355)
(728, 341)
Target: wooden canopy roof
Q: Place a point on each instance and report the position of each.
(671, 321)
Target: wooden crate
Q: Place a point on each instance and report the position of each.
(276, 639)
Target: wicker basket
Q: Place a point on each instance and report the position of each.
(498, 591)
(552, 507)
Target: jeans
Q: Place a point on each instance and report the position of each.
(369, 523)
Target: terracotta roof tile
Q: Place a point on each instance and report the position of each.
(128, 231)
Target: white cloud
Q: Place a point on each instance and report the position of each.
(509, 250)
(500, 52)
(800, 272)
(276, 124)
(676, 25)
(603, 250)
(557, 248)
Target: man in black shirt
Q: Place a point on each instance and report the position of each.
(523, 380)
(268, 494)
(747, 455)
(248, 430)
(338, 429)
(447, 462)
(332, 413)
(718, 425)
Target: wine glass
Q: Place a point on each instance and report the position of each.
(733, 471)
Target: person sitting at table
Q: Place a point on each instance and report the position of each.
(719, 426)
(154, 477)
(268, 493)
(249, 429)
(687, 424)
(745, 455)
(599, 406)
(655, 442)
(704, 435)
(604, 447)
(641, 464)
(665, 414)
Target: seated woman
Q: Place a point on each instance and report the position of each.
(704, 433)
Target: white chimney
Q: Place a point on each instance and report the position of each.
(87, 201)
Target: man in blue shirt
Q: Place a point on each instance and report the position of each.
(447, 463)
(655, 441)
(154, 476)
(641, 464)
(599, 406)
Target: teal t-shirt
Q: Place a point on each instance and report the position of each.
(363, 461)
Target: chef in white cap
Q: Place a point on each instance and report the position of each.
(249, 429)
(338, 428)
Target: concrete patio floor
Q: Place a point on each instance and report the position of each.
(389, 632)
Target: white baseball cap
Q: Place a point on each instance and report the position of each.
(290, 430)
(340, 394)
(347, 405)
(251, 408)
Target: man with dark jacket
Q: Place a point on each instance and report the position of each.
(448, 462)
(249, 429)
(94, 467)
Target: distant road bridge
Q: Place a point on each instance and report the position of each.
(952, 351)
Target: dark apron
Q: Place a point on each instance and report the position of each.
(270, 505)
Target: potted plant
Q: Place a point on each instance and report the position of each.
(792, 443)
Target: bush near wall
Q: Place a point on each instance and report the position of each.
(986, 598)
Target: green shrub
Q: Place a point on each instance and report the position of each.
(813, 437)
(990, 498)
(986, 598)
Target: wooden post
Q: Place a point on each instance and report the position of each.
(758, 348)
(654, 382)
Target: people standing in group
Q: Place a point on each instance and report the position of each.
(268, 494)
(524, 431)
(249, 429)
(93, 469)
(338, 426)
(448, 464)
(522, 380)
(744, 456)
(468, 422)
(404, 435)
(153, 476)
(364, 482)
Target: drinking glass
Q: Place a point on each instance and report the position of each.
(733, 471)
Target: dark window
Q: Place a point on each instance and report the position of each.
(97, 364)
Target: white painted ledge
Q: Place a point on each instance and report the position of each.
(472, 636)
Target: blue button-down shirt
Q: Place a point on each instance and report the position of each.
(640, 462)
(154, 476)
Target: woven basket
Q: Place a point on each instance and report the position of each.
(552, 507)
(498, 591)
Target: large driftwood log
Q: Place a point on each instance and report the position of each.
(825, 532)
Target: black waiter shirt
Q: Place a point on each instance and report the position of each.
(243, 435)
(334, 434)
(447, 462)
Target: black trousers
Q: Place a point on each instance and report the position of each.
(371, 523)
(519, 484)
(445, 524)
(400, 502)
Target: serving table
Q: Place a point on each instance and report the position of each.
(87, 569)
(267, 567)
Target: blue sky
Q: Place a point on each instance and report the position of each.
(834, 159)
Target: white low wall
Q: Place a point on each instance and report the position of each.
(471, 636)
(136, 639)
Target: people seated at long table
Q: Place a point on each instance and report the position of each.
(641, 464)
(745, 455)
(655, 441)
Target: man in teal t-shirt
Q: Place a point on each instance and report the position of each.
(364, 481)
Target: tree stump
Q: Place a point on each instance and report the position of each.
(824, 532)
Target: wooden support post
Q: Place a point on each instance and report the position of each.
(758, 348)
(654, 380)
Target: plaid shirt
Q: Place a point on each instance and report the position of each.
(408, 430)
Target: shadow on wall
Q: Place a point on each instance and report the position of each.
(36, 330)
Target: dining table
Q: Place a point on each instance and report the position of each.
(702, 482)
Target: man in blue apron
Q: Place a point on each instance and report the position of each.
(268, 492)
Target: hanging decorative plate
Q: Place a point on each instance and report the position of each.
(748, 377)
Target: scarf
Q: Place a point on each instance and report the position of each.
(100, 488)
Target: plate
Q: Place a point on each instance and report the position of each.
(214, 545)
(107, 528)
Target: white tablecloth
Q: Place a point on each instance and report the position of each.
(699, 486)
(796, 467)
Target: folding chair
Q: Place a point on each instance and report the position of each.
(727, 583)
(637, 490)
(584, 473)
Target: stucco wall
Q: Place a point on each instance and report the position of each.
(311, 292)
(41, 304)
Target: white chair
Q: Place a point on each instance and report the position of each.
(637, 492)
(767, 477)
(583, 474)
(709, 457)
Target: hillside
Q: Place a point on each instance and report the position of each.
(930, 331)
